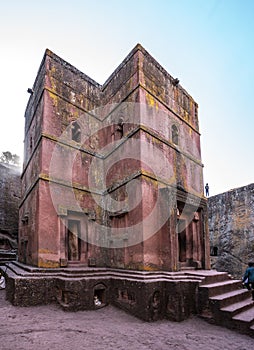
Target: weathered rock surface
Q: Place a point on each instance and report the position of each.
(10, 191)
(231, 226)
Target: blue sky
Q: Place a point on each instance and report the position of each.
(207, 44)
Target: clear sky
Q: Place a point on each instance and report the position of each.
(207, 44)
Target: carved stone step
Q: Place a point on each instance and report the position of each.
(244, 321)
(226, 299)
(245, 316)
(238, 307)
(222, 286)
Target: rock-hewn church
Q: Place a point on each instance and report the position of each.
(91, 151)
(112, 191)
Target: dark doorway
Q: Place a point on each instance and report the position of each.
(182, 242)
(74, 241)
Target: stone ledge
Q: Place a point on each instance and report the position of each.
(147, 295)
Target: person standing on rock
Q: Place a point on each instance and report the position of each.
(248, 278)
(207, 190)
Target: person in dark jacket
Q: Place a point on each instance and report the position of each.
(248, 278)
(207, 190)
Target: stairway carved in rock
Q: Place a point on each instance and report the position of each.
(223, 301)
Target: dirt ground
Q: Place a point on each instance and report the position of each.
(48, 327)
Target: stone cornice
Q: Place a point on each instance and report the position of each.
(77, 186)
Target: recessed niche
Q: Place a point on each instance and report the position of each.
(99, 295)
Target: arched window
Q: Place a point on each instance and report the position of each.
(75, 132)
(175, 134)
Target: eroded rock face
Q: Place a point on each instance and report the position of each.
(10, 191)
(231, 226)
